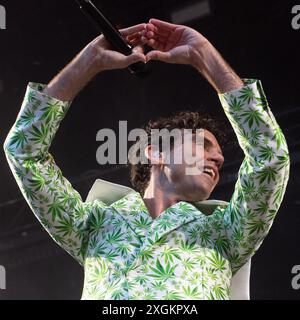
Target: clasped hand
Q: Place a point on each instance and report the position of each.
(171, 43)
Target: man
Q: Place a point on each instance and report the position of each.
(156, 243)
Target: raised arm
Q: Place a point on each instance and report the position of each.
(264, 173)
(96, 57)
(51, 197)
(262, 177)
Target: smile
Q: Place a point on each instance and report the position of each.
(210, 172)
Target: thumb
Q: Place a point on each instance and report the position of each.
(134, 57)
(158, 55)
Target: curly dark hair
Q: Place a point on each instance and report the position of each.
(140, 173)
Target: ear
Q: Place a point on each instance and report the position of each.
(153, 155)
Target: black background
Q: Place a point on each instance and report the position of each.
(255, 37)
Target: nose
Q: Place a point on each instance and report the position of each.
(216, 157)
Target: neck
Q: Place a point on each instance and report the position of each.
(159, 195)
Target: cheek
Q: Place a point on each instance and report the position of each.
(188, 155)
(176, 172)
(195, 156)
(176, 156)
(180, 163)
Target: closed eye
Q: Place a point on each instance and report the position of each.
(208, 144)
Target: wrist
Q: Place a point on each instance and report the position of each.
(71, 80)
(208, 61)
(198, 54)
(88, 61)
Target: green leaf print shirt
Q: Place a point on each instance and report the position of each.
(183, 253)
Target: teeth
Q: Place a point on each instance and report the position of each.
(210, 171)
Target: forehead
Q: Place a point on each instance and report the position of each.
(211, 137)
(211, 140)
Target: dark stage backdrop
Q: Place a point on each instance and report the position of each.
(41, 37)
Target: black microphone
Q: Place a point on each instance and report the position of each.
(112, 35)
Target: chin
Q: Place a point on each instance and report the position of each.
(203, 198)
(199, 196)
(195, 190)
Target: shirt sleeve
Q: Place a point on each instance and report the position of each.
(262, 177)
(51, 197)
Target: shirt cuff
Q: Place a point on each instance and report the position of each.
(247, 83)
(39, 87)
(43, 105)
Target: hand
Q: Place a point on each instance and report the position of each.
(108, 59)
(97, 56)
(171, 43)
(183, 45)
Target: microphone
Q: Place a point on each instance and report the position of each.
(112, 35)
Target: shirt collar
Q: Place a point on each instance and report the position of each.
(132, 208)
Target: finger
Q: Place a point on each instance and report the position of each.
(150, 35)
(134, 40)
(132, 30)
(158, 31)
(133, 58)
(150, 27)
(132, 36)
(137, 42)
(141, 37)
(143, 33)
(138, 49)
(162, 24)
(152, 42)
(158, 55)
(155, 44)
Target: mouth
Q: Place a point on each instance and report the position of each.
(210, 172)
